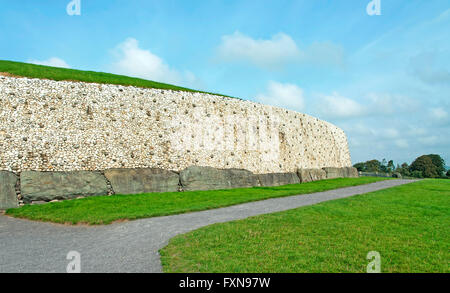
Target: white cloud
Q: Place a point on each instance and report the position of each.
(337, 106)
(137, 62)
(280, 49)
(387, 104)
(425, 68)
(377, 132)
(277, 51)
(54, 62)
(439, 114)
(325, 53)
(429, 140)
(359, 129)
(283, 95)
(401, 143)
(390, 133)
(416, 131)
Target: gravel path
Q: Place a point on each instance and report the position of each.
(27, 246)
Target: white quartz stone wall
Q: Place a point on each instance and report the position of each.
(66, 126)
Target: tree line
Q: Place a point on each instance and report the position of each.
(426, 166)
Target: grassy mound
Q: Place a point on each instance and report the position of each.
(54, 73)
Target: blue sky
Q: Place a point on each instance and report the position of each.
(384, 79)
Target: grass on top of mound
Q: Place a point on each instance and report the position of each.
(408, 225)
(20, 69)
(107, 209)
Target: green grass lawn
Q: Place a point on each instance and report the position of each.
(55, 73)
(408, 225)
(107, 209)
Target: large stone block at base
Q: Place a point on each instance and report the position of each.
(309, 175)
(351, 172)
(333, 173)
(48, 186)
(278, 179)
(136, 181)
(208, 178)
(8, 197)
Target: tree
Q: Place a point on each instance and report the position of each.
(425, 165)
(404, 170)
(439, 163)
(391, 166)
(448, 173)
(373, 166)
(383, 166)
(417, 174)
(361, 167)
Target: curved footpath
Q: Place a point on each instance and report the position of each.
(27, 246)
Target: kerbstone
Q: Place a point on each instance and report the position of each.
(309, 175)
(333, 173)
(278, 179)
(351, 172)
(208, 178)
(48, 186)
(136, 181)
(8, 197)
